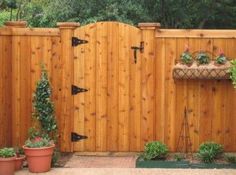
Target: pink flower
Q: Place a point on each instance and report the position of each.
(221, 52)
(37, 139)
(186, 48)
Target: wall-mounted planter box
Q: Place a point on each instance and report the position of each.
(209, 71)
(140, 163)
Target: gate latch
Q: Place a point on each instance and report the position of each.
(75, 90)
(76, 41)
(77, 137)
(140, 48)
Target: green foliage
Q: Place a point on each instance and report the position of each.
(202, 58)
(38, 142)
(155, 150)
(232, 72)
(186, 58)
(178, 157)
(230, 158)
(209, 151)
(43, 106)
(221, 59)
(7, 152)
(19, 151)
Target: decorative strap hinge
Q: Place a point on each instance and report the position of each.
(75, 90)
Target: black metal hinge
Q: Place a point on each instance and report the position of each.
(76, 41)
(77, 137)
(75, 90)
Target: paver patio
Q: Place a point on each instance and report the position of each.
(132, 171)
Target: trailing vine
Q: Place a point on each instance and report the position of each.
(232, 72)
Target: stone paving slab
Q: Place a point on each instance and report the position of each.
(132, 171)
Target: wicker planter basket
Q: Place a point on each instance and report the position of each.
(209, 71)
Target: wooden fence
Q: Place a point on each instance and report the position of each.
(128, 103)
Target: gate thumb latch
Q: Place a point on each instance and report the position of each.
(75, 90)
(77, 137)
(140, 48)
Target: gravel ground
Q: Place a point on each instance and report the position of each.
(132, 171)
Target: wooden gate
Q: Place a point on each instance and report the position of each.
(109, 112)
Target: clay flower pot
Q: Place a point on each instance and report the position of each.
(39, 159)
(7, 166)
(19, 162)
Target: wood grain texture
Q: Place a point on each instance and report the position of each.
(127, 104)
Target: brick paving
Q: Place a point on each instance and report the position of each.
(131, 171)
(101, 162)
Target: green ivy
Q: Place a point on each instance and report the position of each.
(221, 59)
(186, 58)
(43, 106)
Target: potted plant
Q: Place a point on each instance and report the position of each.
(7, 161)
(221, 58)
(186, 57)
(40, 145)
(202, 58)
(20, 157)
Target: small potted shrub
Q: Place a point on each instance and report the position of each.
(40, 145)
(209, 151)
(202, 58)
(186, 57)
(220, 59)
(7, 161)
(155, 150)
(20, 157)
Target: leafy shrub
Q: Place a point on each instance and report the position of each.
(209, 151)
(232, 72)
(7, 152)
(202, 58)
(38, 142)
(186, 58)
(155, 150)
(230, 158)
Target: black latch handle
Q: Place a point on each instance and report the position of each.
(135, 48)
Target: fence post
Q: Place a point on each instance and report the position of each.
(67, 58)
(148, 80)
(14, 80)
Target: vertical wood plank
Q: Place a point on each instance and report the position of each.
(90, 80)
(170, 93)
(135, 92)
(148, 86)
(79, 100)
(123, 87)
(112, 99)
(101, 86)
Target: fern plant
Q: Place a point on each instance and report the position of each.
(232, 71)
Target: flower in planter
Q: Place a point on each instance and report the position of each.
(186, 57)
(38, 142)
(7, 161)
(221, 59)
(202, 58)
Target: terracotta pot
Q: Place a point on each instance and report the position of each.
(19, 162)
(7, 166)
(39, 159)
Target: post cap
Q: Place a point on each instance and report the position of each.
(149, 25)
(16, 24)
(68, 25)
